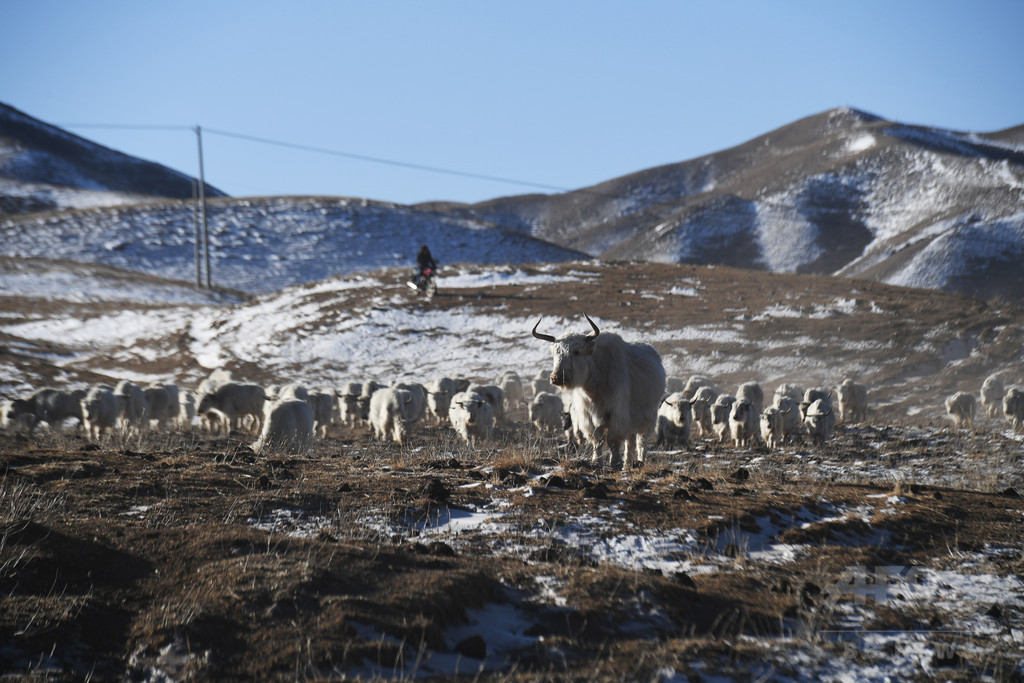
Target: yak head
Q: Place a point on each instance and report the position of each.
(572, 354)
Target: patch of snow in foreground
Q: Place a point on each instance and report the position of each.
(127, 328)
(72, 287)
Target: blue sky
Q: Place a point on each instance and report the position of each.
(560, 94)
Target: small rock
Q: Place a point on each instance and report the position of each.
(436, 490)
(441, 549)
(513, 480)
(742, 474)
(683, 579)
(474, 647)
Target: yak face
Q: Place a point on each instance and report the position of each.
(572, 355)
(572, 360)
(676, 407)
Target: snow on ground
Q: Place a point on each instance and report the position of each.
(960, 595)
(263, 245)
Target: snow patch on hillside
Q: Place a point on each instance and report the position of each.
(265, 245)
(787, 239)
(861, 143)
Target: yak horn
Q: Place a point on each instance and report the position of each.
(594, 325)
(538, 335)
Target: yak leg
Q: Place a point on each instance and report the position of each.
(616, 448)
(641, 448)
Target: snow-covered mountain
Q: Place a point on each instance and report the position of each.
(842, 192)
(43, 167)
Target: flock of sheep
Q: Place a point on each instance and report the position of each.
(286, 418)
(995, 399)
(289, 418)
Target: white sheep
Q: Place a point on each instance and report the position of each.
(439, 398)
(162, 404)
(472, 416)
(391, 410)
(789, 410)
(546, 412)
(674, 421)
(131, 405)
(700, 407)
(321, 402)
(961, 406)
(289, 428)
(721, 409)
(234, 401)
(853, 401)
(820, 421)
(772, 430)
(1013, 407)
(751, 391)
(99, 412)
(992, 393)
(743, 423)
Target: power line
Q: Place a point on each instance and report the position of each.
(389, 162)
(324, 150)
(127, 126)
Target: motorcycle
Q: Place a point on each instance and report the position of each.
(424, 283)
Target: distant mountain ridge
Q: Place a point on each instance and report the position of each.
(843, 192)
(43, 167)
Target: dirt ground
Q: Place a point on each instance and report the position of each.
(193, 557)
(183, 555)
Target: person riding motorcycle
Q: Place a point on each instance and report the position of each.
(423, 279)
(427, 264)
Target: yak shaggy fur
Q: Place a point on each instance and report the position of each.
(622, 381)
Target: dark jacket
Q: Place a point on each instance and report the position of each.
(425, 260)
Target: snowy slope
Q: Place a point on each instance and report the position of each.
(261, 245)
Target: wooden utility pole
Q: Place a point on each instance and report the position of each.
(202, 207)
(195, 222)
